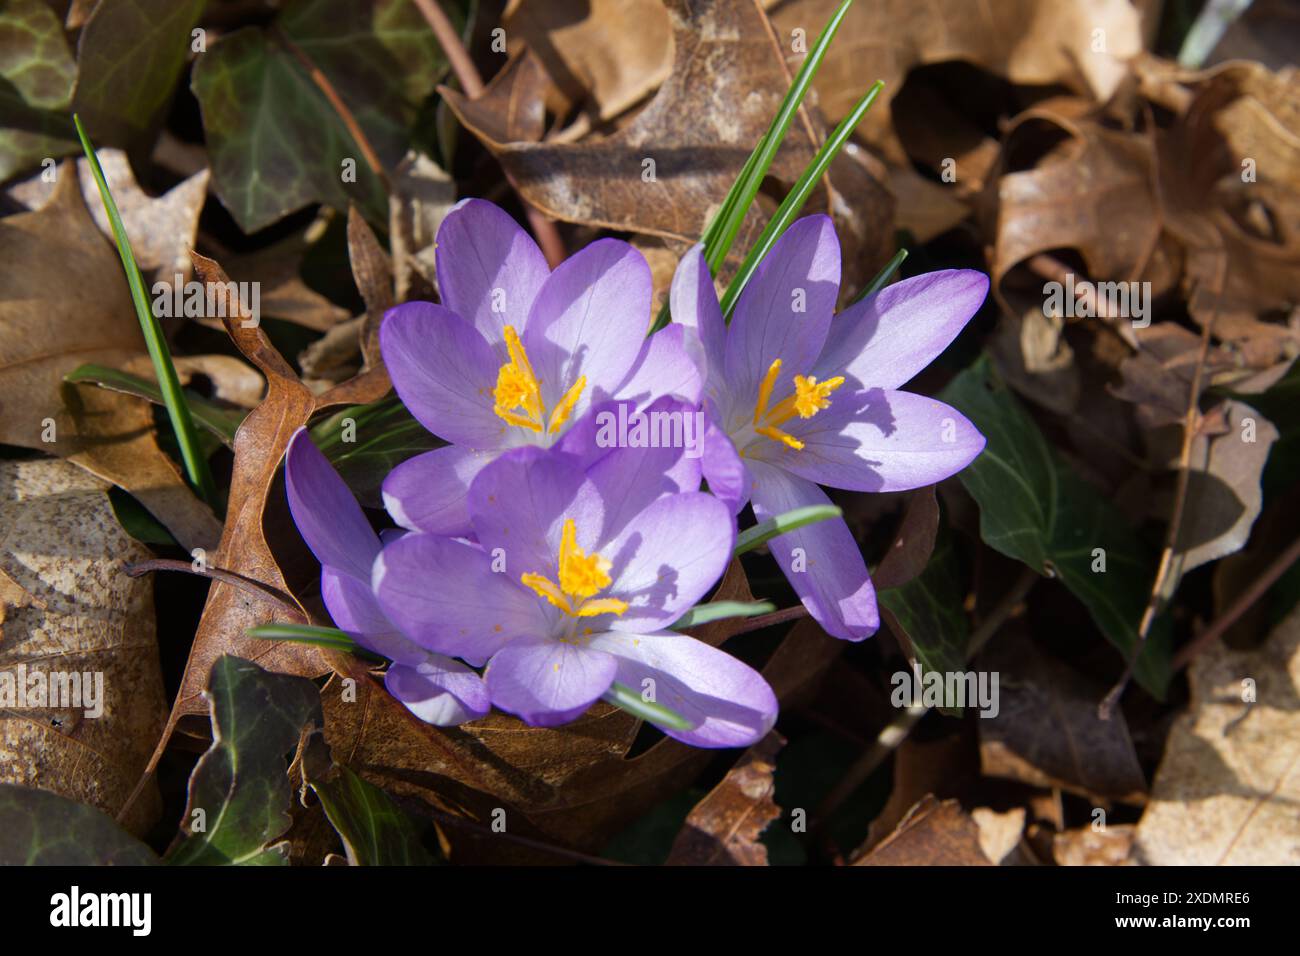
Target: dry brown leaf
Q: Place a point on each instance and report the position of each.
(1033, 42)
(1229, 783)
(666, 172)
(282, 292)
(161, 229)
(1000, 833)
(724, 829)
(1047, 732)
(422, 195)
(1108, 846)
(913, 542)
(933, 833)
(51, 326)
(588, 51)
(60, 542)
(573, 784)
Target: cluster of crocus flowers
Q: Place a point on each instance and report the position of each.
(538, 567)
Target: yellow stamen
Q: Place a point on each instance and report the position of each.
(567, 403)
(810, 397)
(765, 390)
(777, 435)
(582, 576)
(518, 388)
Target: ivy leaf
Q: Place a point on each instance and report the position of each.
(39, 828)
(241, 785)
(927, 609)
(37, 76)
(374, 830)
(276, 141)
(1036, 509)
(129, 56)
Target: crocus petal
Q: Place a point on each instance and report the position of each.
(445, 596)
(673, 445)
(663, 367)
(725, 470)
(667, 558)
(518, 505)
(729, 702)
(354, 608)
(878, 440)
(884, 340)
(489, 269)
(548, 682)
(327, 515)
(427, 492)
(694, 302)
(444, 371)
(439, 690)
(589, 321)
(821, 561)
(785, 311)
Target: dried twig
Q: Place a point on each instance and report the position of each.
(548, 236)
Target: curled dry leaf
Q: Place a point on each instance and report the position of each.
(61, 544)
(1228, 785)
(586, 50)
(934, 833)
(422, 194)
(51, 326)
(1105, 846)
(724, 828)
(1026, 41)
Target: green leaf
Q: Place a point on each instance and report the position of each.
(625, 698)
(241, 784)
(881, 277)
(129, 57)
(196, 464)
(37, 77)
(791, 520)
(277, 142)
(385, 436)
(138, 522)
(39, 828)
(220, 421)
(929, 610)
(374, 830)
(718, 610)
(1036, 509)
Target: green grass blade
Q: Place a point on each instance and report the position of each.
(795, 199)
(718, 610)
(330, 637)
(196, 466)
(222, 422)
(722, 230)
(765, 531)
(882, 277)
(625, 698)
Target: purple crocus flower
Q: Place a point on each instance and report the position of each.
(573, 582)
(797, 400)
(516, 353)
(434, 687)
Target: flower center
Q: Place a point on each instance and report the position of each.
(582, 577)
(518, 393)
(810, 397)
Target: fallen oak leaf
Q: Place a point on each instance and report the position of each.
(724, 828)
